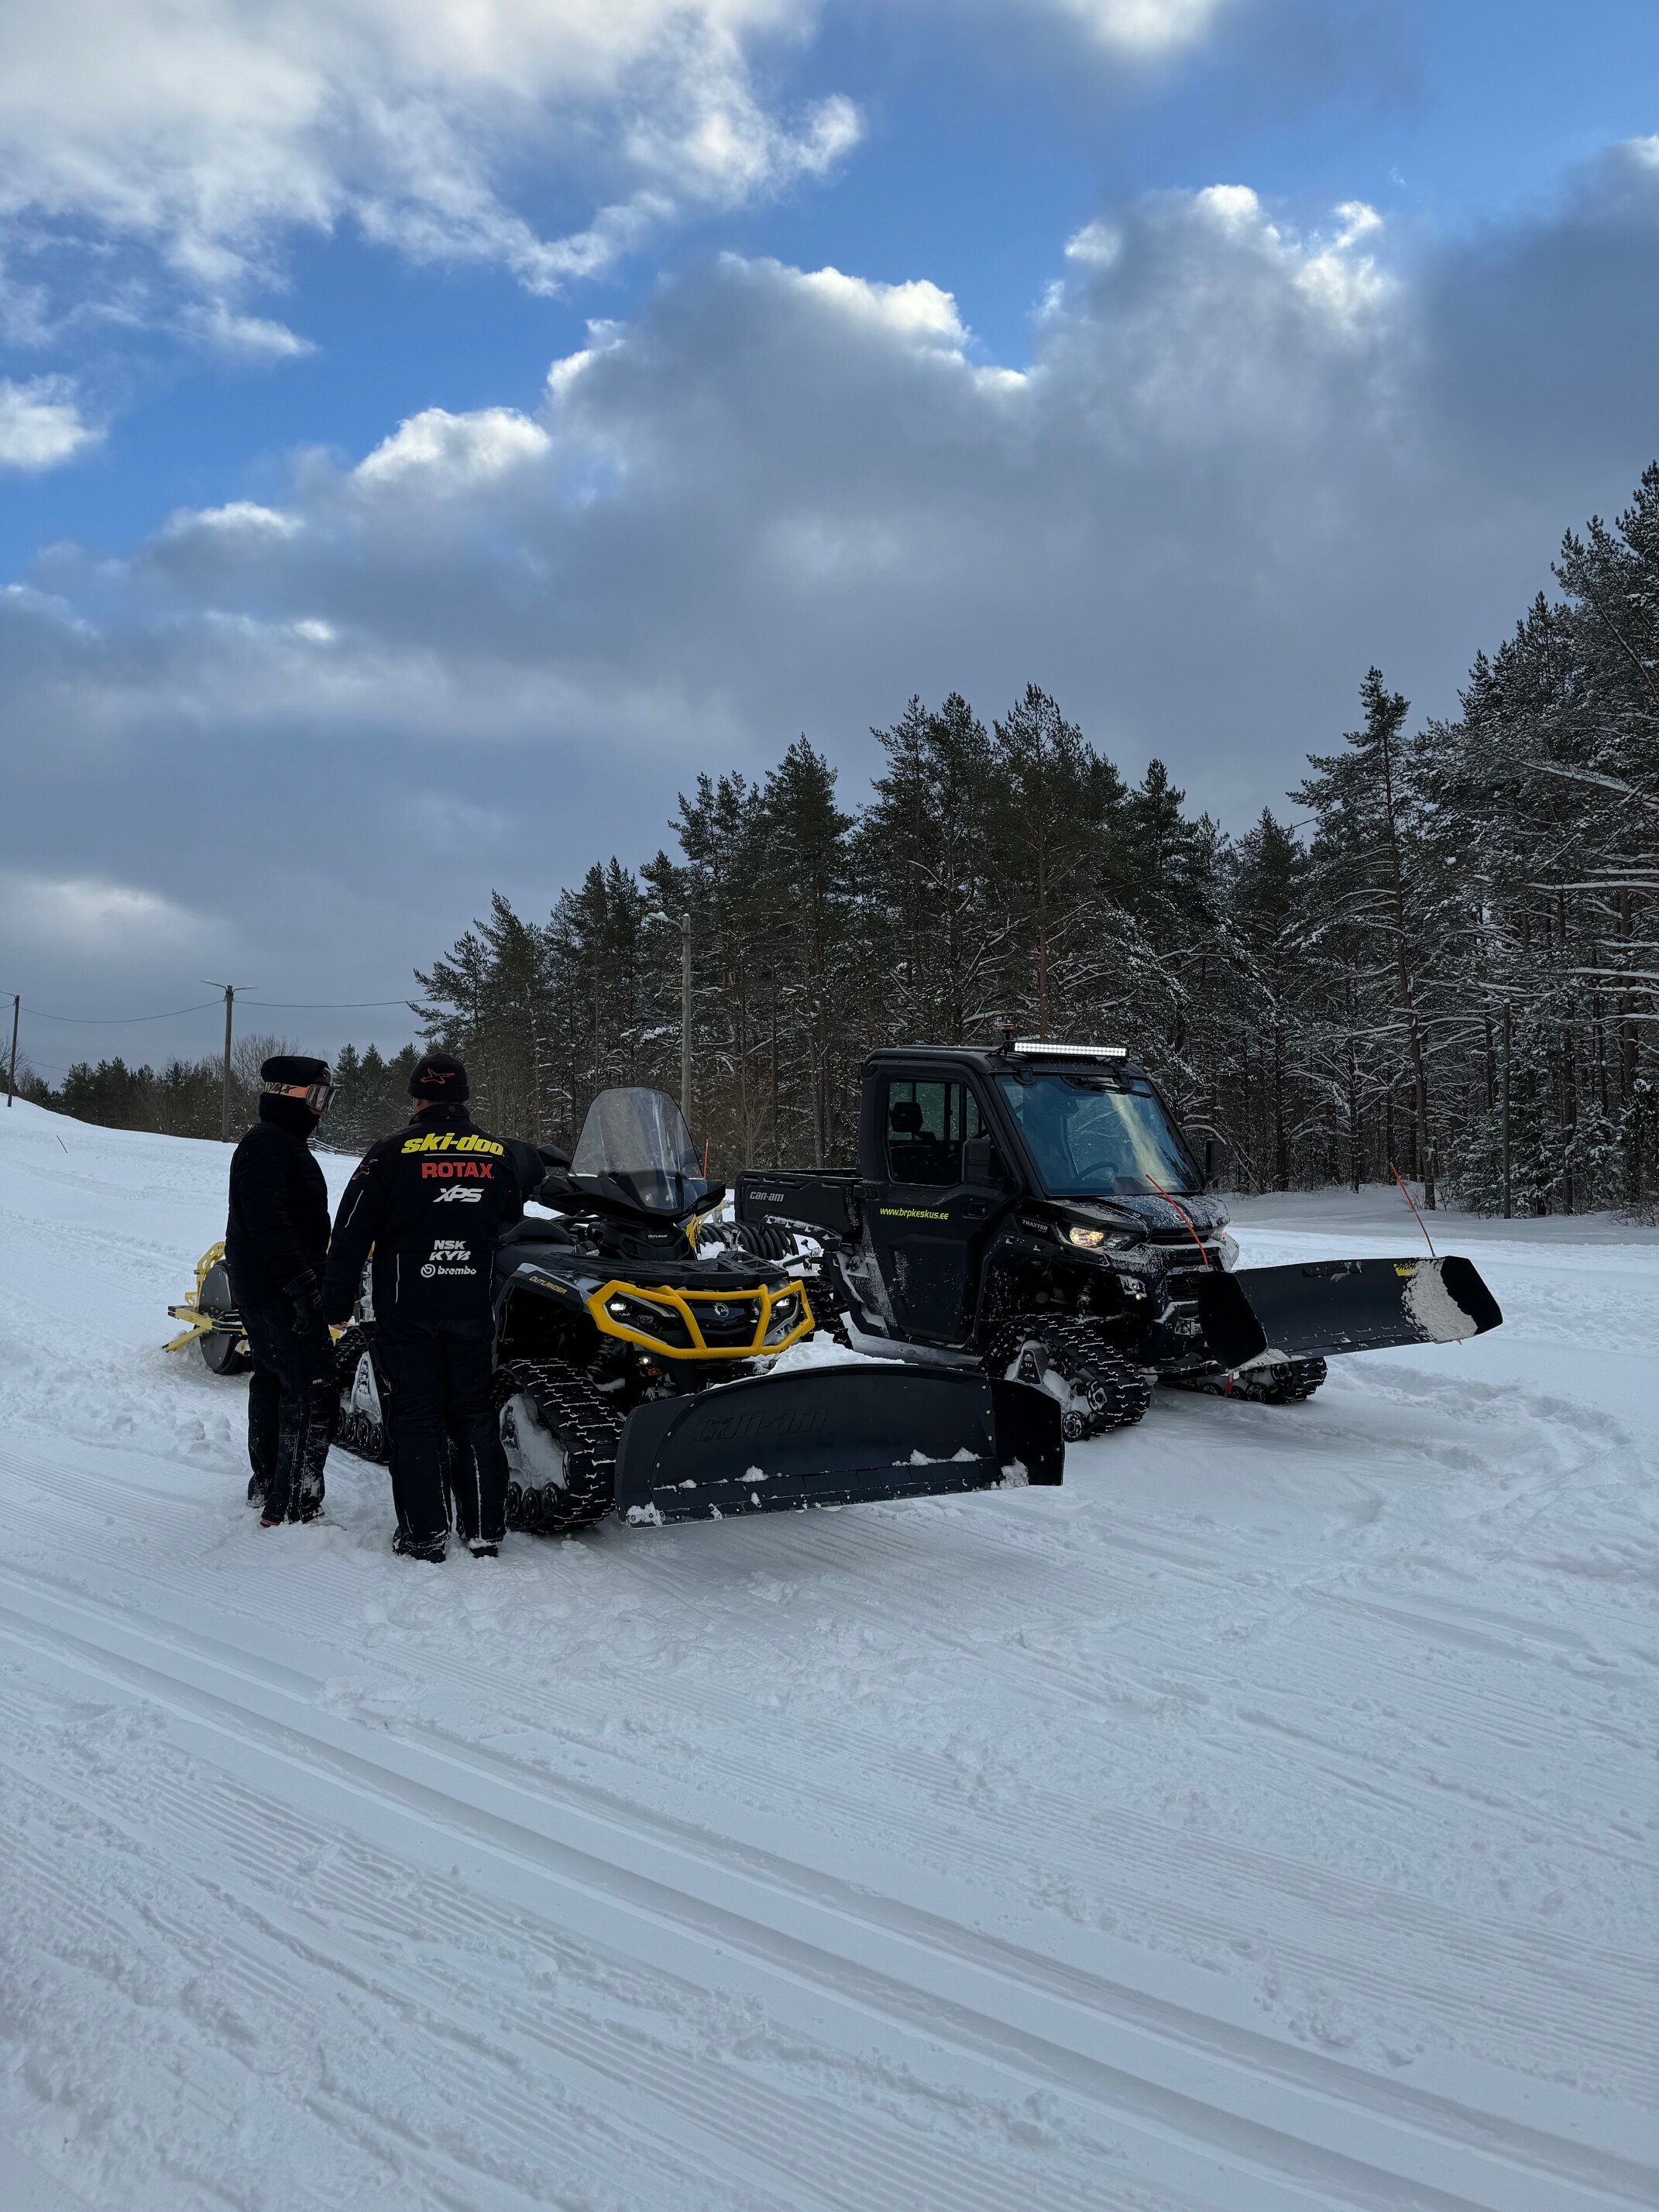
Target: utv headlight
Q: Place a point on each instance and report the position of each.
(1088, 1238)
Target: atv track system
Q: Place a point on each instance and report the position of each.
(557, 1427)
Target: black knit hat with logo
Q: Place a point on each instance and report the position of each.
(439, 1079)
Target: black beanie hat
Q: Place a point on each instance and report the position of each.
(439, 1078)
(293, 1067)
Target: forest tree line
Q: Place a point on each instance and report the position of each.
(1443, 962)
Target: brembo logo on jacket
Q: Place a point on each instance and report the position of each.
(452, 1140)
(450, 1256)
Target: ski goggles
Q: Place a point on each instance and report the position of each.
(317, 1096)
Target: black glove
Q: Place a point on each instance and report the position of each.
(304, 1294)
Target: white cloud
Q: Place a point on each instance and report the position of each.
(203, 130)
(251, 337)
(441, 449)
(239, 518)
(915, 312)
(1098, 245)
(1245, 461)
(41, 424)
(90, 914)
(1143, 26)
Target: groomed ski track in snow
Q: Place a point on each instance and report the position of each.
(1265, 1819)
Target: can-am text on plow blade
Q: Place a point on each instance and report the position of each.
(836, 1436)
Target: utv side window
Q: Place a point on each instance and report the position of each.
(927, 1125)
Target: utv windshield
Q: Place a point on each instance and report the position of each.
(1090, 1138)
(638, 1139)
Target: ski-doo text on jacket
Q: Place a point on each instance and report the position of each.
(432, 1201)
(278, 1231)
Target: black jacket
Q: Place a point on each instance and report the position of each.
(432, 1201)
(278, 1231)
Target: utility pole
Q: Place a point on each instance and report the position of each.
(11, 1071)
(685, 1018)
(1508, 1208)
(229, 990)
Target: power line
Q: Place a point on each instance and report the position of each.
(116, 1021)
(289, 1005)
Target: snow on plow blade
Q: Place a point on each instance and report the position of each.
(1326, 1307)
(841, 1435)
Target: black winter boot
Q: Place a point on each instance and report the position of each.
(430, 1548)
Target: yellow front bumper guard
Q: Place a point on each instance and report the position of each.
(683, 1305)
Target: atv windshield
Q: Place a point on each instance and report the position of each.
(1091, 1137)
(638, 1139)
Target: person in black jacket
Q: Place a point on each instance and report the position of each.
(432, 1202)
(275, 1241)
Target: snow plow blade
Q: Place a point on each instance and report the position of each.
(841, 1435)
(1326, 1307)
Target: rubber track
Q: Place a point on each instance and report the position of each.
(1118, 1391)
(362, 1438)
(588, 1429)
(1290, 1383)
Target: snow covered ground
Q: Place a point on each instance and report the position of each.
(1265, 1820)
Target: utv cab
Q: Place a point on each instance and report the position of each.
(1035, 1212)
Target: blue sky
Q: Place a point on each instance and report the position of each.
(1327, 320)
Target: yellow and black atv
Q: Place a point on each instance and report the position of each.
(634, 1370)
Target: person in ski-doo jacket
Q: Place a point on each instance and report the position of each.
(275, 1241)
(431, 1201)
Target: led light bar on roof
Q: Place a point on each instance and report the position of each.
(1072, 1051)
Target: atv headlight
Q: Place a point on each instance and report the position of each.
(1090, 1239)
(785, 1312)
(647, 1318)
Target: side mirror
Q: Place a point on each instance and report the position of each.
(551, 1156)
(1215, 1153)
(982, 1164)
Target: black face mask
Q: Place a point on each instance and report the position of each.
(290, 1114)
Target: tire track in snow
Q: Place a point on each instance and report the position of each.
(1421, 2149)
(817, 2153)
(1583, 2001)
(463, 2063)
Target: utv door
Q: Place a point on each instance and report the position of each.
(937, 1192)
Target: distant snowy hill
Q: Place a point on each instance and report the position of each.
(1265, 1820)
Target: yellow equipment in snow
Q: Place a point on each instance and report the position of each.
(212, 1319)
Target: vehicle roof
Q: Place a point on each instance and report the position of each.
(990, 1060)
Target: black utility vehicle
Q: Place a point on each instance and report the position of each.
(1034, 1211)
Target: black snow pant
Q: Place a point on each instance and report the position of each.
(292, 1411)
(438, 1378)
